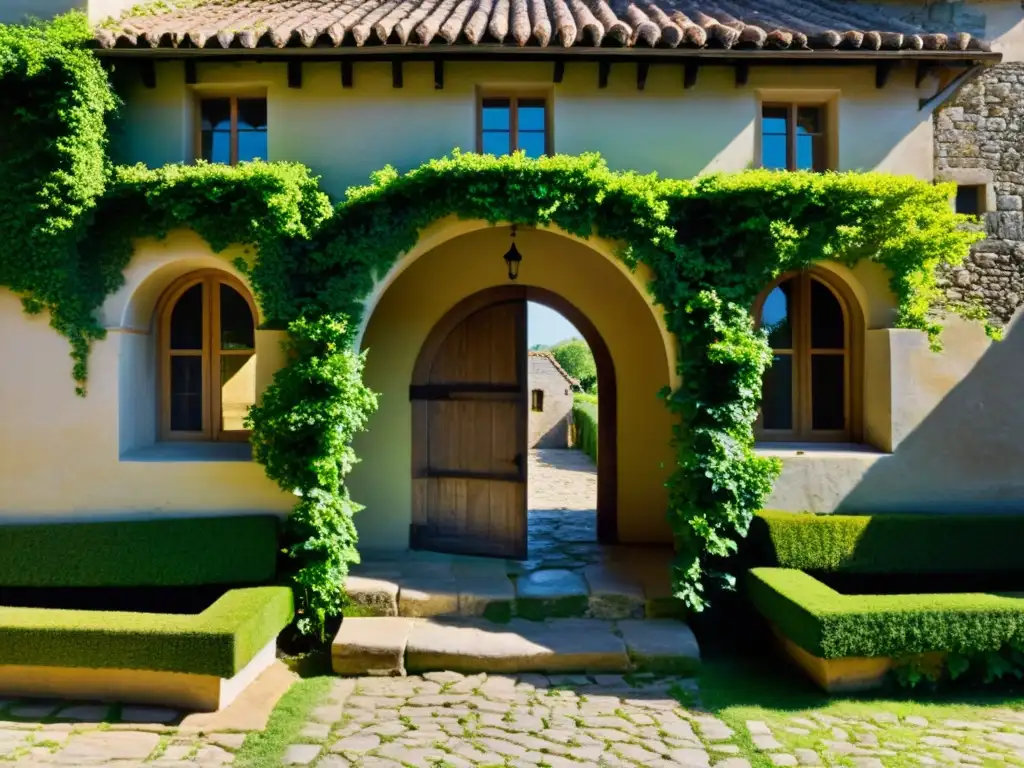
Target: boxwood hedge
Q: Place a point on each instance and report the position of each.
(141, 553)
(219, 641)
(871, 544)
(830, 625)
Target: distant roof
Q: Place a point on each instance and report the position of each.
(551, 358)
(696, 25)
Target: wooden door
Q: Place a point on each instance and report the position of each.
(469, 438)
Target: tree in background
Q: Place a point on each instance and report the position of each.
(575, 357)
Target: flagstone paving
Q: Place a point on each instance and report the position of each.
(447, 719)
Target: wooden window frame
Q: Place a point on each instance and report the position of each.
(802, 352)
(233, 98)
(211, 354)
(792, 109)
(537, 400)
(514, 97)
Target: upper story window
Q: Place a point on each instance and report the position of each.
(208, 358)
(537, 400)
(233, 129)
(807, 390)
(507, 124)
(793, 137)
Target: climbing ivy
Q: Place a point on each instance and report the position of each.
(711, 245)
(55, 100)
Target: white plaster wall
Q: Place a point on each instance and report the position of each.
(345, 134)
(67, 457)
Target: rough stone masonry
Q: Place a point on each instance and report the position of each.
(978, 140)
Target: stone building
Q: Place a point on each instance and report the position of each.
(551, 391)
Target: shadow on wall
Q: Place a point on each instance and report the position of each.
(967, 454)
(556, 437)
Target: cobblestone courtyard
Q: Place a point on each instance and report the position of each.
(447, 719)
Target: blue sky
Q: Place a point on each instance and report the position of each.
(545, 326)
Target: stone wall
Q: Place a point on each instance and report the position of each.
(549, 428)
(979, 141)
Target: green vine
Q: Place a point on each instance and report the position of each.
(711, 243)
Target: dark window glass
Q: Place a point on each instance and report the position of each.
(237, 325)
(809, 139)
(777, 396)
(827, 323)
(968, 199)
(827, 392)
(497, 115)
(252, 129)
(777, 316)
(496, 143)
(532, 144)
(187, 320)
(496, 126)
(774, 141)
(537, 400)
(187, 393)
(216, 130)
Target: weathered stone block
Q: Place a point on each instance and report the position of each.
(371, 646)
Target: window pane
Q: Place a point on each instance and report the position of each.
(496, 115)
(532, 143)
(187, 320)
(828, 382)
(827, 322)
(531, 115)
(252, 114)
(773, 152)
(773, 120)
(810, 153)
(252, 145)
(237, 390)
(187, 393)
(496, 143)
(237, 325)
(216, 114)
(968, 199)
(216, 147)
(777, 316)
(808, 120)
(777, 395)
(216, 130)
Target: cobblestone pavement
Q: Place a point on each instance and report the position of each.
(450, 720)
(562, 517)
(35, 732)
(447, 719)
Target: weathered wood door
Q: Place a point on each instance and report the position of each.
(469, 437)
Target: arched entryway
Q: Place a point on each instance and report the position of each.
(470, 403)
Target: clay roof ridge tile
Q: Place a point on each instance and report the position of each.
(477, 24)
(456, 22)
(498, 25)
(429, 27)
(671, 33)
(564, 23)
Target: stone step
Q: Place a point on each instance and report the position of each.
(395, 645)
(629, 585)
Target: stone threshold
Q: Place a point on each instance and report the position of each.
(630, 586)
(397, 645)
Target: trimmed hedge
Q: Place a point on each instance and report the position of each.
(584, 416)
(889, 543)
(149, 553)
(831, 625)
(219, 641)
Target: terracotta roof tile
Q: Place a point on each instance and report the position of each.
(684, 24)
(551, 358)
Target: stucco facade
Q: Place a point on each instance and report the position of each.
(935, 431)
(550, 402)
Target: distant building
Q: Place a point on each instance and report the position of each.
(551, 391)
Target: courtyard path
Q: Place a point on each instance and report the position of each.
(447, 719)
(561, 479)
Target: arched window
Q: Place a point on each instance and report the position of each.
(807, 390)
(207, 358)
